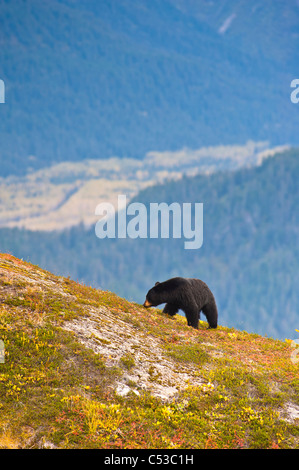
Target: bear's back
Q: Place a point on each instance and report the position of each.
(188, 288)
(200, 290)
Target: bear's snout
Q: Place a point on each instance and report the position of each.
(147, 304)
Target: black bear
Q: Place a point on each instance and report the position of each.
(190, 295)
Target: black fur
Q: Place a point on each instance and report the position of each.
(190, 295)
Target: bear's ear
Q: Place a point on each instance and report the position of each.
(157, 283)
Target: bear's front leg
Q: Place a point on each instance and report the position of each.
(170, 309)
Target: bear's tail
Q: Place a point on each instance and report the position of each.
(211, 313)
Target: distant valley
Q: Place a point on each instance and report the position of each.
(66, 194)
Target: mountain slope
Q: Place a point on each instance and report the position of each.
(101, 78)
(85, 368)
(250, 252)
(249, 257)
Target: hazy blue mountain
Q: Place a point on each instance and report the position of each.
(249, 257)
(96, 78)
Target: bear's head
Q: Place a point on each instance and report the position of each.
(151, 299)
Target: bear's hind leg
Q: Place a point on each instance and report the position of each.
(171, 309)
(211, 313)
(192, 316)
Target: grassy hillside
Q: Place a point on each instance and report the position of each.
(85, 368)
